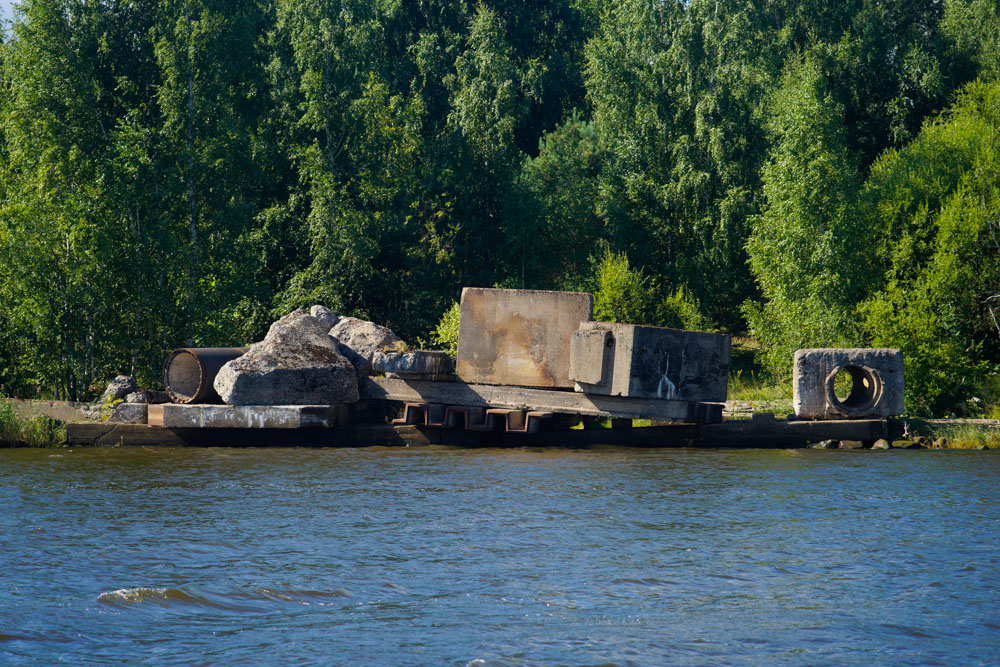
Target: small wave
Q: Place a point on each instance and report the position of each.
(35, 637)
(648, 581)
(303, 597)
(165, 597)
(257, 600)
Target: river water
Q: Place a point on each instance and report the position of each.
(438, 556)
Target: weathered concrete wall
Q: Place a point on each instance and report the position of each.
(650, 362)
(64, 411)
(518, 337)
(878, 385)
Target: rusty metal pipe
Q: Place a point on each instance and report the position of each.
(189, 372)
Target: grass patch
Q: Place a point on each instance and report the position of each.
(752, 387)
(957, 434)
(966, 435)
(34, 431)
(747, 380)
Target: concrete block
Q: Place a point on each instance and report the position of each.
(173, 415)
(650, 362)
(416, 364)
(518, 337)
(876, 383)
(128, 413)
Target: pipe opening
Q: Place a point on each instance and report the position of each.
(853, 391)
(183, 376)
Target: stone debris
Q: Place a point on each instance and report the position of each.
(359, 341)
(119, 388)
(297, 363)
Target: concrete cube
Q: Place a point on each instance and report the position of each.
(649, 362)
(875, 374)
(518, 337)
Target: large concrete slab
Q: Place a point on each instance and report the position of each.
(649, 362)
(179, 416)
(876, 381)
(518, 337)
(541, 400)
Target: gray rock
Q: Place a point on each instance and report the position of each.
(129, 413)
(881, 443)
(137, 397)
(827, 444)
(325, 316)
(119, 388)
(413, 364)
(297, 363)
(851, 444)
(359, 341)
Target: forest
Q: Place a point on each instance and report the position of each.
(801, 173)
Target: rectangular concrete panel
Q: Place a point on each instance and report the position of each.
(872, 386)
(172, 415)
(653, 362)
(518, 337)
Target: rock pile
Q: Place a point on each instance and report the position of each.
(297, 363)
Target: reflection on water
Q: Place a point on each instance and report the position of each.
(498, 557)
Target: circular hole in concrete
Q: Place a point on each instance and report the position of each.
(183, 375)
(843, 385)
(853, 391)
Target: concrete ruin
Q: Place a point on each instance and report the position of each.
(876, 381)
(649, 362)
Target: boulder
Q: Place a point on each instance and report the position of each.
(325, 316)
(297, 363)
(359, 341)
(119, 388)
(882, 443)
(137, 397)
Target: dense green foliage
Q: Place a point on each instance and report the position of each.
(182, 171)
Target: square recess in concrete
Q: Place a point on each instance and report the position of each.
(518, 337)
